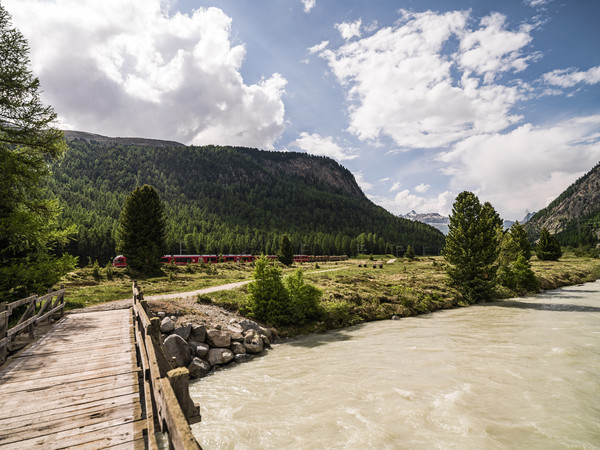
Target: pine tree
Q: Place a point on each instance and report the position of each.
(29, 234)
(141, 233)
(286, 251)
(548, 248)
(472, 247)
(410, 253)
(514, 269)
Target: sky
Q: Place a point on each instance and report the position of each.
(419, 99)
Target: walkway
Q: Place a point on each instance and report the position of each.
(76, 386)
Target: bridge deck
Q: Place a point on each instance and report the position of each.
(76, 386)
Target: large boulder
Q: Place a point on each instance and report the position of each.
(167, 325)
(253, 341)
(238, 348)
(200, 350)
(236, 332)
(198, 333)
(218, 338)
(219, 356)
(178, 348)
(198, 368)
(243, 357)
(184, 331)
(248, 324)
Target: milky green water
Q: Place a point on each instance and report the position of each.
(523, 373)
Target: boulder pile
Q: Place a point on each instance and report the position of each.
(201, 350)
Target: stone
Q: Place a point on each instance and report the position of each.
(248, 324)
(161, 315)
(198, 368)
(219, 356)
(266, 332)
(218, 338)
(184, 331)
(253, 342)
(167, 325)
(198, 333)
(243, 357)
(236, 333)
(177, 347)
(238, 348)
(266, 341)
(199, 349)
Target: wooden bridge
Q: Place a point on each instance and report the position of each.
(95, 380)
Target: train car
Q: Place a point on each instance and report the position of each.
(119, 261)
(300, 258)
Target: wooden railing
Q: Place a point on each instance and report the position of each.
(168, 405)
(38, 310)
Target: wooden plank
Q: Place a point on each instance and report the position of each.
(49, 295)
(17, 328)
(49, 313)
(23, 301)
(152, 444)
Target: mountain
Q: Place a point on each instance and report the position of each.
(436, 220)
(574, 216)
(225, 200)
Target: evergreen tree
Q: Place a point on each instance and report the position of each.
(548, 248)
(268, 299)
(141, 232)
(29, 232)
(472, 247)
(514, 270)
(286, 251)
(410, 253)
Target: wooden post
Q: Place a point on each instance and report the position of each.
(30, 328)
(3, 329)
(179, 382)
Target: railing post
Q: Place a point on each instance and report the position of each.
(30, 328)
(179, 382)
(3, 331)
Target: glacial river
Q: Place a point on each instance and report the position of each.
(523, 373)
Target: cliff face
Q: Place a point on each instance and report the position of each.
(579, 201)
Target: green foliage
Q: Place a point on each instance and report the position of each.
(292, 302)
(548, 248)
(29, 232)
(514, 270)
(141, 230)
(410, 253)
(236, 200)
(268, 298)
(472, 247)
(286, 252)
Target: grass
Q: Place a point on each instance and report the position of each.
(351, 294)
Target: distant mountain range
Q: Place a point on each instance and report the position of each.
(574, 217)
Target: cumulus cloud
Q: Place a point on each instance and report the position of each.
(348, 30)
(324, 146)
(396, 186)
(526, 167)
(308, 5)
(422, 188)
(318, 48)
(570, 77)
(124, 67)
(430, 80)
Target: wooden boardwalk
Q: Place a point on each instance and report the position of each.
(77, 386)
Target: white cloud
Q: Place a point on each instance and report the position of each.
(422, 188)
(362, 183)
(324, 146)
(125, 67)
(396, 186)
(348, 30)
(536, 3)
(402, 81)
(318, 48)
(308, 5)
(524, 168)
(570, 77)
(405, 201)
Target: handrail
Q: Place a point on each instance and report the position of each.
(166, 393)
(48, 309)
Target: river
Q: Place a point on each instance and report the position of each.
(522, 373)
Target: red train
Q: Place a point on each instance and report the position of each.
(182, 260)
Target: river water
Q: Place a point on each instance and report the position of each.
(522, 373)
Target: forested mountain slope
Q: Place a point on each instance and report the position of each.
(574, 217)
(226, 200)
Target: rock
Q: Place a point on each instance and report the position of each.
(243, 357)
(184, 331)
(161, 315)
(236, 333)
(253, 342)
(238, 348)
(266, 332)
(394, 317)
(248, 324)
(266, 341)
(218, 338)
(167, 325)
(218, 356)
(199, 349)
(178, 348)
(198, 333)
(198, 368)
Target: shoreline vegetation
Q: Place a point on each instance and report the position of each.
(354, 292)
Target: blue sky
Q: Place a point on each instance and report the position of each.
(419, 99)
